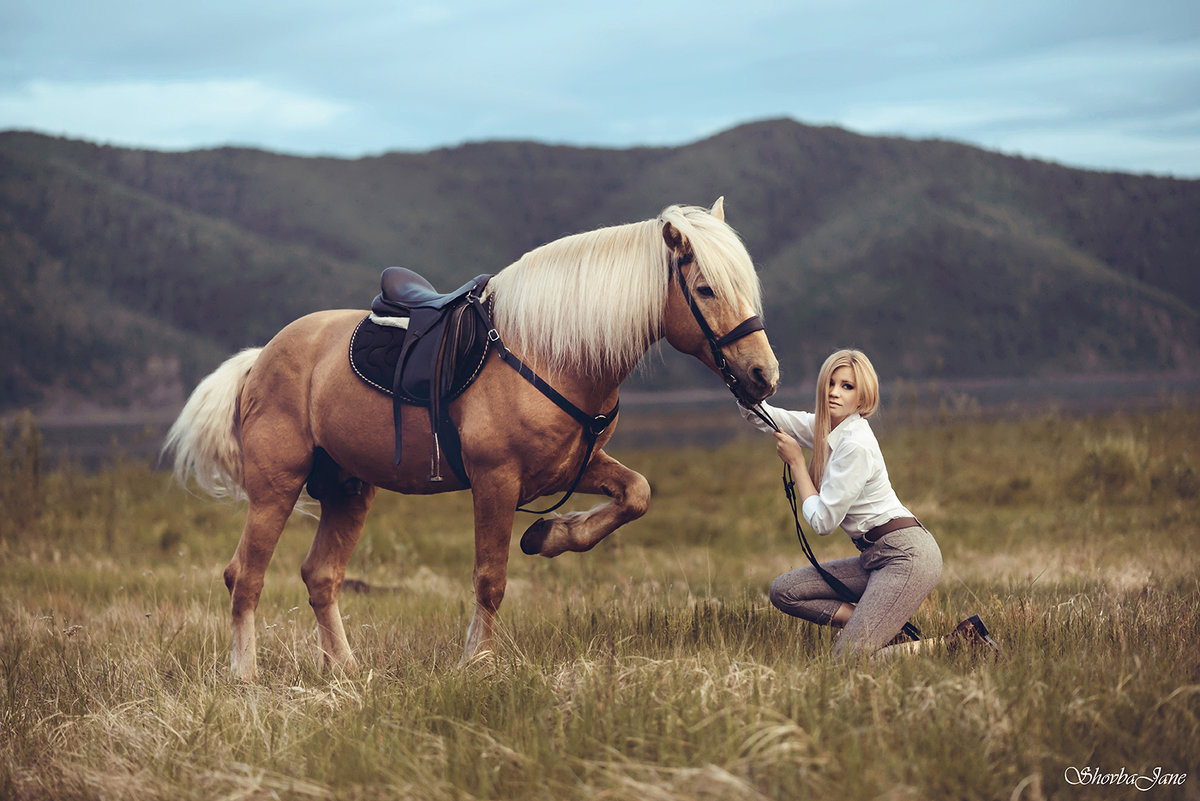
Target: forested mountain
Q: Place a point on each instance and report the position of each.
(127, 274)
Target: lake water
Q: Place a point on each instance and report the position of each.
(708, 417)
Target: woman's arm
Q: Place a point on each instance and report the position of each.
(843, 482)
(797, 424)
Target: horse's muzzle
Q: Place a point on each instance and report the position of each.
(758, 384)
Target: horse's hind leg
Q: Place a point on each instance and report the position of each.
(272, 486)
(581, 531)
(244, 576)
(342, 516)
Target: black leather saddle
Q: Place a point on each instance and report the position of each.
(430, 361)
(403, 291)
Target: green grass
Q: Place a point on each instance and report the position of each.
(652, 667)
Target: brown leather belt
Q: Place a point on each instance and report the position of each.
(895, 524)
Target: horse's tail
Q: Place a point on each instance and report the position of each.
(204, 438)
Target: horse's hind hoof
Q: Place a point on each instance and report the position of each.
(535, 537)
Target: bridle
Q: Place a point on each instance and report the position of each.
(715, 344)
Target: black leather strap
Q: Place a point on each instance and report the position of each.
(715, 343)
(593, 425)
(744, 328)
(420, 321)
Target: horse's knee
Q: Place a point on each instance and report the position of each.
(230, 576)
(322, 595)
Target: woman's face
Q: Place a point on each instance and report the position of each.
(842, 395)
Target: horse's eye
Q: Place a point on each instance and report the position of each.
(705, 292)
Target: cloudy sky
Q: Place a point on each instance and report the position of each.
(1104, 84)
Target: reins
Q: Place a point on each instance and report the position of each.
(715, 344)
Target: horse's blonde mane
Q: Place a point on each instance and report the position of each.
(594, 302)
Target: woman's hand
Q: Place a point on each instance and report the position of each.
(790, 452)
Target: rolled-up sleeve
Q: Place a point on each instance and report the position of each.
(797, 424)
(753, 419)
(845, 477)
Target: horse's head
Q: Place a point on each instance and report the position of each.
(714, 301)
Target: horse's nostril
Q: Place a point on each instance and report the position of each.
(764, 379)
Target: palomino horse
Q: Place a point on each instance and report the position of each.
(580, 311)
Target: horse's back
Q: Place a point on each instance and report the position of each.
(317, 332)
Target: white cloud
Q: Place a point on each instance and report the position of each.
(165, 114)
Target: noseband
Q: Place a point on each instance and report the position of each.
(715, 343)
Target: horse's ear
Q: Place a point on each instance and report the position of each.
(718, 209)
(677, 241)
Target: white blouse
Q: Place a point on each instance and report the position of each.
(855, 491)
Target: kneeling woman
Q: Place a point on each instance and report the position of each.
(899, 562)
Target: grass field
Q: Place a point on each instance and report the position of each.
(652, 667)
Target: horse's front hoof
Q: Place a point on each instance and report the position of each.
(343, 668)
(535, 537)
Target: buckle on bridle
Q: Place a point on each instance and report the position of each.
(715, 343)
(598, 424)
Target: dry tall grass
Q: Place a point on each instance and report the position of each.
(651, 668)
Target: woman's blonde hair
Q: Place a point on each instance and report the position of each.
(867, 382)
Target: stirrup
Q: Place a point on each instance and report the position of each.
(435, 460)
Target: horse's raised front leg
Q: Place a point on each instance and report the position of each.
(580, 531)
(324, 569)
(495, 501)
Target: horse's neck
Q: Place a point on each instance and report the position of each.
(568, 301)
(592, 394)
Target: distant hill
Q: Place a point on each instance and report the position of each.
(127, 274)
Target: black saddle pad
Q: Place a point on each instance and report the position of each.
(375, 349)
